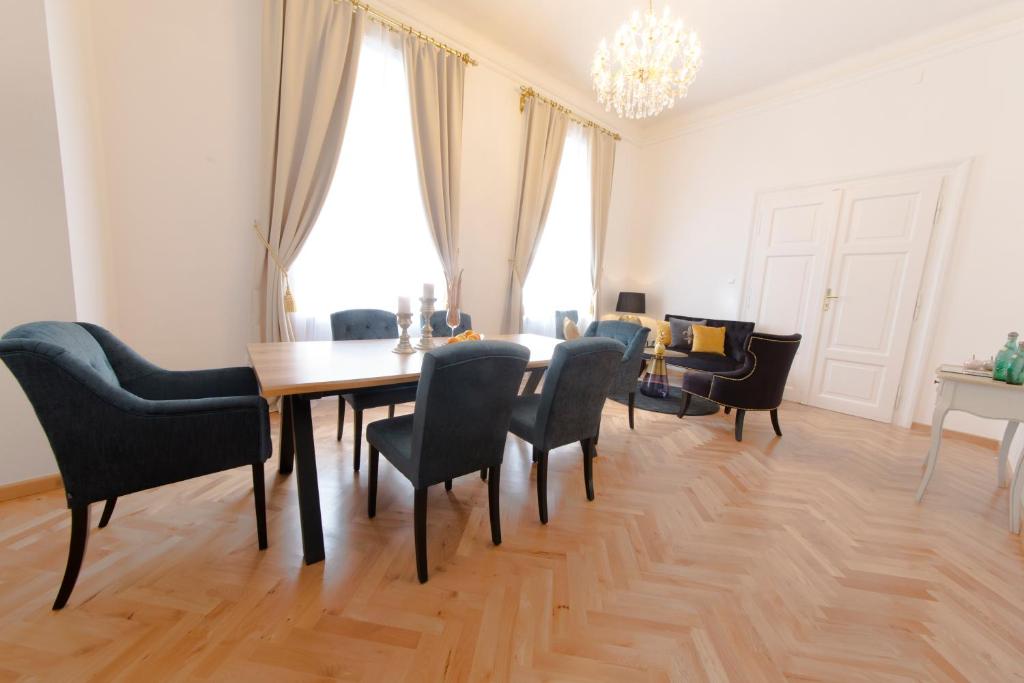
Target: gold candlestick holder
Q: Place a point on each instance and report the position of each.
(427, 332)
(404, 347)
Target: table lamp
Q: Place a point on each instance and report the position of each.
(631, 303)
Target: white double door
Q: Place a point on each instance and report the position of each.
(842, 265)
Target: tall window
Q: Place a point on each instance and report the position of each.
(371, 242)
(559, 278)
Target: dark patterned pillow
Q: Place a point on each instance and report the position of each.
(682, 333)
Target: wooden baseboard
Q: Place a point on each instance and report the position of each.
(984, 441)
(30, 487)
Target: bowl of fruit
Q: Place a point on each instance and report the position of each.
(468, 335)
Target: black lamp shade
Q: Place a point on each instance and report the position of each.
(631, 302)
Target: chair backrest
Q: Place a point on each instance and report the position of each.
(773, 357)
(66, 339)
(464, 407)
(439, 323)
(364, 323)
(560, 317)
(575, 388)
(737, 333)
(634, 338)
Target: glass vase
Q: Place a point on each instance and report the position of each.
(1015, 369)
(1002, 363)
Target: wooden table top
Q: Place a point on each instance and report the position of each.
(289, 368)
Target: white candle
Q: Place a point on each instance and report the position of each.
(403, 305)
(428, 290)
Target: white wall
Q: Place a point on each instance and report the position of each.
(954, 102)
(179, 119)
(35, 263)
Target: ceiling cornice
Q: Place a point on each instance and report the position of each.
(508, 64)
(979, 29)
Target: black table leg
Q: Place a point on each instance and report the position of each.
(309, 489)
(533, 381)
(286, 446)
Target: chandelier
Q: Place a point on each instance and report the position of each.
(651, 61)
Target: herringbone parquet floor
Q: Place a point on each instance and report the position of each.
(801, 558)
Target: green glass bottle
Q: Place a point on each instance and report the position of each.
(1015, 372)
(1002, 358)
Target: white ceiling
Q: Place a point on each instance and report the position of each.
(748, 44)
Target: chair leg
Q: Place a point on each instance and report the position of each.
(632, 407)
(684, 404)
(728, 410)
(259, 494)
(108, 510)
(739, 423)
(542, 484)
(420, 532)
(371, 494)
(447, 484)
(76, 551)
(391, 410)
(483, 473)
(357, 446)
(341, 416)
(493, 481)
(775, 422)
(588, 466)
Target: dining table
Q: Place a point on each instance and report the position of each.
(300, 372)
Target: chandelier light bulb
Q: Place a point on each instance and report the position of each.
(651, 62)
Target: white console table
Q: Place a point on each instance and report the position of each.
(984, 397)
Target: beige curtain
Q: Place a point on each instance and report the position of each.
(544, 131)
(602, 168)
(310, 52)
(436, 89)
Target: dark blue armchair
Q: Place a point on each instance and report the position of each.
(367, 323)
(568, 409)
(463, 408)
(118, 424)
(634, 337)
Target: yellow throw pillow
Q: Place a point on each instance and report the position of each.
(664, 332)
(569, 329)
(709, 340)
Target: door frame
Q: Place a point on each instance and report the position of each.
(917, 370)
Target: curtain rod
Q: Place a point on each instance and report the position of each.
(526, 91)
(396, 25)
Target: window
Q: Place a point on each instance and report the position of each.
(371, 242)
(559, 278)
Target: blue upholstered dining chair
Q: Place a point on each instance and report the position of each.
(439, 324)
(463, 407)
(569, 406)
(634, 337)
(560, 317)
(367, 323)
(118, 424)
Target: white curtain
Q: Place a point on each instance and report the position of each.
(436, 93)
(310, 52)
(602, 169)
(544, 129)
(372, 242)
(559, 278)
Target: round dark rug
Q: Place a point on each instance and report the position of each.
(670, 405)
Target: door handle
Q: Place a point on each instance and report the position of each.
(827, 299)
